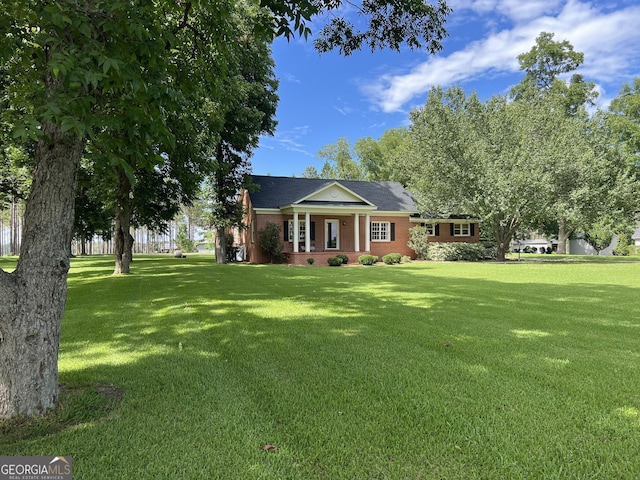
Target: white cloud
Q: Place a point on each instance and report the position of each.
(516, 10)
(293, 140)
(609, 40)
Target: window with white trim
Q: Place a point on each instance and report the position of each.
(431, 228)
(461, 229)
(380, 232)
(301, 230)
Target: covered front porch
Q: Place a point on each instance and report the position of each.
(320, 233)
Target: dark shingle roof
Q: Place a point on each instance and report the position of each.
(275, 192)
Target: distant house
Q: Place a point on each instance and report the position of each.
(320, 218)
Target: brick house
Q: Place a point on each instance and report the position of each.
(320, 218)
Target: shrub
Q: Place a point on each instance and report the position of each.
(367, 259)
(269, 241)
(450, 252)
(623, 246)
(344, 257)
(334, 261)
(310, 260)
(418, 242)
(391, 258)
(405, 259)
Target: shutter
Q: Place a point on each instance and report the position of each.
(393, 232)
(472, 229)
(286, 230)
(437, 232)
(451, 227)
(313, 231)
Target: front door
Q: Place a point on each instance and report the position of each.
(331, 235)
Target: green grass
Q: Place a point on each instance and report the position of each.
(414, 371)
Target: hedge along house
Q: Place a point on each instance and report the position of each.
(320, 218)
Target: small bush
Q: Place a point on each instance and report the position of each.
(344, 257)
(310, 260)
(391, 258)
(405, 259)
(623, 246)
(451, 252)
(419, 241)
(367, 259)
(334, 261)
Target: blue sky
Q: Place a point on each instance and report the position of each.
(325, 97)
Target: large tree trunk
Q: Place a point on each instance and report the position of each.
(221, 246)
(563, 236)
(34, 295)
(503, 236)
(123, 239)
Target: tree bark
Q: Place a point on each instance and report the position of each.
(221, 246)
(563, 235)
(123, 239)
(34, 295)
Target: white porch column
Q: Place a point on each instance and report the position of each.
(307, 232)
(296, 233)
(367, 233)
(356, 232)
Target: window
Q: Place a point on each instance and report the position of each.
(380, 232)
(301, 230)
(461, 230)
(431, 228)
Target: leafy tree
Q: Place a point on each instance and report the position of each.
(310, 172)
(624, 123)
(600, 234)
(111, 73)
(466, 157)
(544, 64)
(183, 242)
(247, 113)
(92, 216)
(339, 163)
(376, 156)
(571, 171)
(269, 241)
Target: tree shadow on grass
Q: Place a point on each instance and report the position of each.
(314, 359)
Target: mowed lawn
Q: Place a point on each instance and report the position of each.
(191, 370)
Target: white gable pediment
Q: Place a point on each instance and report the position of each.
(334, 192)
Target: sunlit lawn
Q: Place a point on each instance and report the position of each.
(415, 371)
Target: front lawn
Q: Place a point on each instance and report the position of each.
(187, 370)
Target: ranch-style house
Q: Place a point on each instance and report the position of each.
(320, 218)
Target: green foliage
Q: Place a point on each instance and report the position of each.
(339, 163)
(269, 241)
(544, 64)
(311, 260)
(600, 234)
(334, 261)
(419, 241)
(183, 242)
(624, 245)
(405, 259)
(369, 159)
(459, 251)
(344, 257)
(392, 258)
(417, 24)
(367, 259)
